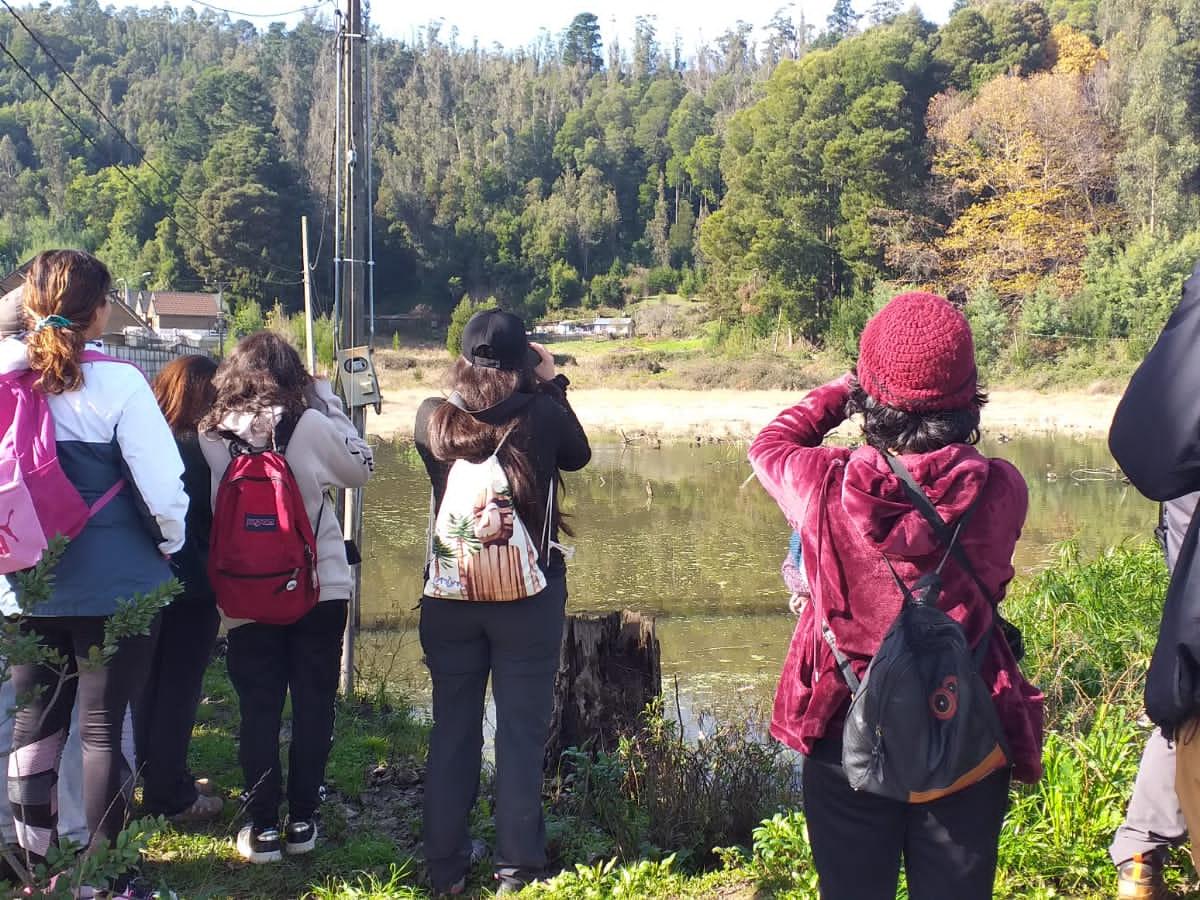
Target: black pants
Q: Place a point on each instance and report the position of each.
(164, 714)
(949, 846)
(518, 644)
(265, 662)
(41, 726)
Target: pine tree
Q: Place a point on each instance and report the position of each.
(843, 19)
(883, 11)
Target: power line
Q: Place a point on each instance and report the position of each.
(120, 171)
(275, 15)
(115, 127)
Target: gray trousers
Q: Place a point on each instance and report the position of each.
(72, 824)
(518, 645)
(1154, 819)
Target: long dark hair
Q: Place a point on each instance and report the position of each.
(887, 428)
(185, 393)
(71, 284)
(454, 435)
(261, 373)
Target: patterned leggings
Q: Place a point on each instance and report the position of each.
(40, 730)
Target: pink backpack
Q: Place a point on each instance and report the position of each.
(37, 500)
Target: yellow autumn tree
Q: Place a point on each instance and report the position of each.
(1025, 171)
(1073, 52)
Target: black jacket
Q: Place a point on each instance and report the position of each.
(1155, 438)
(190, 564)
(553, 438)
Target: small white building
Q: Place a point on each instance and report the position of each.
(613, 327)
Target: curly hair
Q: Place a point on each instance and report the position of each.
(889, 429)
(263, 372)
(71, 284)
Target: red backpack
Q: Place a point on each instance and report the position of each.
(262, 558)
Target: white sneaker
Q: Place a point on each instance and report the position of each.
(259, 845)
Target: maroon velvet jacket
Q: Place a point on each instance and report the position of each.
(850, 509)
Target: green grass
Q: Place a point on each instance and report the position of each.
(1089, 627)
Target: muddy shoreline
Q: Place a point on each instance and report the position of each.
(729, 415)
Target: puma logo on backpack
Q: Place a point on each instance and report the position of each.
(479, 549)
(262, 559)
(37, 501)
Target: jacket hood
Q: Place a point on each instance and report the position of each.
(255, 428)
(874, 499)
(13, 357)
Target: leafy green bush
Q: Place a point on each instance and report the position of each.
(660, 793)
(247, 318)
(566, 288)
(989, 325)
(1090, 627)
(1129, 291)
(460, 317)
(662, 280)
(607, 289)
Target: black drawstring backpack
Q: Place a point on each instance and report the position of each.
(921, 723)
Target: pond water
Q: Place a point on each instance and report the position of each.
(679, 533)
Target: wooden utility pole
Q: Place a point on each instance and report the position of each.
(352, 270)
(311, 355)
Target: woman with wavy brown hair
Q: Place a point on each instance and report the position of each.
(507, 405)
(265, 398)
(165, 713)
(113, 444)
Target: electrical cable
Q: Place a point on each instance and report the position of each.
(120, 133)
(275, 15)
(121, 171)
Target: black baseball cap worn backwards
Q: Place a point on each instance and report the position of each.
(494, 339)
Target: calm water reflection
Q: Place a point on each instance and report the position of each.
(677, 532)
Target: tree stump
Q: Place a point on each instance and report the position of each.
(609, 669)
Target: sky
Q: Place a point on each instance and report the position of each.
(515, 23)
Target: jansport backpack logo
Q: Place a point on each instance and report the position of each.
(263, 553)
(37, 501)
(479, 548)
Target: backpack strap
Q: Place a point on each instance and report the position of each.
(853, 682)
(925, 507)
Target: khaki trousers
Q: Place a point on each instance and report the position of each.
(1187, 779)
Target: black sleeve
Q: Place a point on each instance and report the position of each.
(437, 470)
(1155, 435)
(574, 451)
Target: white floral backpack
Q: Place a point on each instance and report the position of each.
(479, 549)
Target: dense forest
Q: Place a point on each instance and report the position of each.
(1042, 158)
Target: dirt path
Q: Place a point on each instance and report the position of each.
(727, 414)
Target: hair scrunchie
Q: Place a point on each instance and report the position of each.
(52, 322)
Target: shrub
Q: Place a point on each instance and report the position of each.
(659, 792)
(662, 280)
(1129, 291)
(691, 282)
(247, 318)
(459, 318)
(666, 320)
(989, 325)
(566, 289)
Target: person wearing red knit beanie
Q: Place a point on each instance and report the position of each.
(916, 389)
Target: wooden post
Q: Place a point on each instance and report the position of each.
(609, 669)
(308, 310)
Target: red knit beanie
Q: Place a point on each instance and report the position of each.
(917, 355)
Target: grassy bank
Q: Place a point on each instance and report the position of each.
(648, 819)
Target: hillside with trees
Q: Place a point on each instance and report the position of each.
(1040, 158)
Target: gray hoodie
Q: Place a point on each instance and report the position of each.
(325, 451)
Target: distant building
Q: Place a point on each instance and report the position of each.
(613, 327)
(599, 327)
(185, 313)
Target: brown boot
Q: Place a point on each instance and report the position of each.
(1141, 878)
